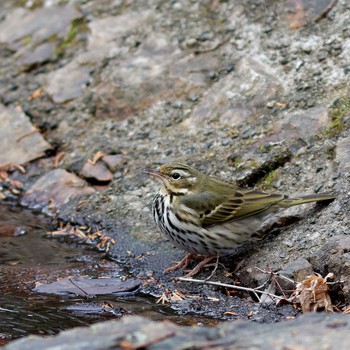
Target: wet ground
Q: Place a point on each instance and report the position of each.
(32, 263)
(28, 257)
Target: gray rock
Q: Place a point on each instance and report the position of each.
(40, 24)
(54, 189)
(314, 331)
(297, 271)
(343, 154)
(20, 141)
(88, 286)
(40, 54)
(107, 32)
(301, 124)
(237, 97)
(68, 82)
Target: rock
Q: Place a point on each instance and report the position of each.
(305, 12)
(93, 309)
(297, 271)
(68, 82)
(40, 54)
(314, 331)
(334, 257)
(98, 172)
(114, 161)
(20, 141)
(139, 81)
(88, 287)
(300, 124)
(237, 97)
(39, 24)
(193, 69)
(54, 189)
(343, 154)
(108, 32)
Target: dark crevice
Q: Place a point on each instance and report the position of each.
(276, 161)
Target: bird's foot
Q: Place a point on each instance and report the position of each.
(181, 264)
(200, 265)
(186, 260)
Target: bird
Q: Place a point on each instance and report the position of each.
(210, 217)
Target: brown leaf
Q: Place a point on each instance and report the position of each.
(312, 294)
(96, 157)
(36, 94)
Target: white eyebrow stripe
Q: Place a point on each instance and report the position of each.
(182, 173)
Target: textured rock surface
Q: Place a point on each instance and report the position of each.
(227, 86)
(20, 141)
(54, 189)
(312, 332)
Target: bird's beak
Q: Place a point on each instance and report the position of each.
(154, 173)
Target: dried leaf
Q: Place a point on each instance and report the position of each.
(312, 294)
(96, 157)
(36, 94)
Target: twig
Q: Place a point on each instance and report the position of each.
(215, 268)
(71, 281)
(325, 10)
(57, 159)
(253, 290)
(26, 134)
(276, 274)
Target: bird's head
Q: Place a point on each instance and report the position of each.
(177, 178)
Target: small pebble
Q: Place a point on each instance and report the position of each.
(336, 209)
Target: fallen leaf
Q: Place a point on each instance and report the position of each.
(96, 157)
(312, 294)
(36, 94)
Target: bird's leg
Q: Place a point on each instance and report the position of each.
(215, 268)
(200, 265)
(181, 264)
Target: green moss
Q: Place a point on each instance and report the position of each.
(338, 111)
(77, 26)
(35, 4)
(27, 40)
(268, 180)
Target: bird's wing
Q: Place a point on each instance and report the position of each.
(239, 205)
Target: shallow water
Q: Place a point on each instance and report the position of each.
(28, 257)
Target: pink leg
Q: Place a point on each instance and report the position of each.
(181, 264)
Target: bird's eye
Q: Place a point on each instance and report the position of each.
(175, 176)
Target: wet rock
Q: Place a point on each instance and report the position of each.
(20, 141)
(88, 287)
(98, 172)
(334, 257)
(237, 97)
(68, 82)
(343, 154)
(91, 309)
(315, 331)
(54, 189)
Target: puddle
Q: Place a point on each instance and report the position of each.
(28, 256)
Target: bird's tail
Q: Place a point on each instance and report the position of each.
(289, 202)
